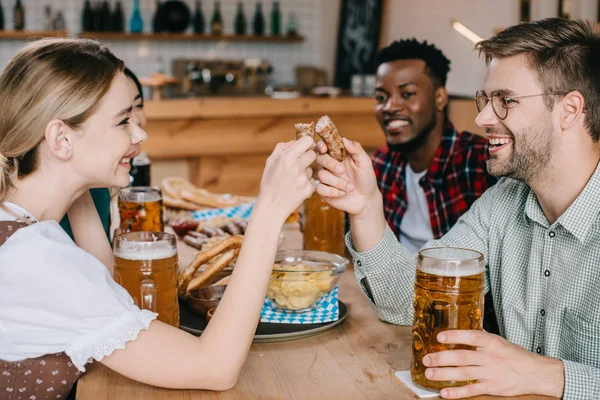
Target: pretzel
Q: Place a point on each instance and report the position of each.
(173, 186)
(203, 277)
(221, 248)
(181, 204)
(305, 130)
(207, 199)
(332, 138)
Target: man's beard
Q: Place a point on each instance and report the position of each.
(529, 156)
(416, 142)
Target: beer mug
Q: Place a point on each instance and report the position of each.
(449, 293)
(141, 209)
(146, 266)
(323, 226)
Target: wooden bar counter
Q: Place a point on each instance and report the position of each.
(221, 144)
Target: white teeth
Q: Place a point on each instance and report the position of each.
(125, 160)
(499, 141)
(397, 124)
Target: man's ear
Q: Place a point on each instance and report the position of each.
(441, 98)
(572, 109)
(59, 140)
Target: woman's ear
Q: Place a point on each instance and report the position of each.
(58, 138)
(441, 98)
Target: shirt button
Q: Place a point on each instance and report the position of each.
(551, 234)
(359, 263)
(538, 350)
(543, 312)
(546, 273)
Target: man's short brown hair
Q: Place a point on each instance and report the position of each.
(565, 54)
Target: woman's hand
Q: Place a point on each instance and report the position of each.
(286, 180)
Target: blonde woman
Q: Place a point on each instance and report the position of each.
(66, 126)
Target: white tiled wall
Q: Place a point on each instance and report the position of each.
(143, 56)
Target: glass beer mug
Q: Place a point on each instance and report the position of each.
(141, 209)
(449, 293)
(146, 266)
(323, 226)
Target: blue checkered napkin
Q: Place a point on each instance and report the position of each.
(241, 211)
(326, 310)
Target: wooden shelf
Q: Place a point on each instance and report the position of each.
(188, 37)
(27, 35)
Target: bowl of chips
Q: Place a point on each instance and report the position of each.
(301, 278)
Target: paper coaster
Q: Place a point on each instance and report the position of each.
(405, 377)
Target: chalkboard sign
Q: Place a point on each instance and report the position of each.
(358, 39)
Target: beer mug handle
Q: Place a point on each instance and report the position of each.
(148, 291)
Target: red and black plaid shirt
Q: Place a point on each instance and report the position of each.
(454, 180)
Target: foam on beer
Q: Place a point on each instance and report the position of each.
(130, 250)
(451, 262)
(143, 197)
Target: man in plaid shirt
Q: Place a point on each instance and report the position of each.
(538, 228)
(428, 173)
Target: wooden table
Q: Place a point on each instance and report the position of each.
(355, 360)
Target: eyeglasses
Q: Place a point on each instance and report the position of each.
(501, 104)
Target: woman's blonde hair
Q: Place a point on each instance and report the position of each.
(48, 79)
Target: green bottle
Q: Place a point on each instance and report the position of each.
(240, 20)
(259, 21)
(275, 19)
(217, 21)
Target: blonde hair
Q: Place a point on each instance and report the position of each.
(48, 79)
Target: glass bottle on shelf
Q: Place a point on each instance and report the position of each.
(118, 18)
(275, 19)
(156, 21)
(105, 19)
(19, 16)
(198, 19)
(97, 16)
(86, 17)
(59, 22)
(136, 24)
(216, 24)
(292, 26)
(525, 10)
(564, 8)
(258, 23)
(47, 18)
(240, 20)
(1, 17)
(323, 226)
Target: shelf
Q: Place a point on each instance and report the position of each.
(188, 37)
(27, 35)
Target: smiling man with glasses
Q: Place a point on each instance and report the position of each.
(538, 227)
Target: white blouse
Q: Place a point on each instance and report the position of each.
(55, 297)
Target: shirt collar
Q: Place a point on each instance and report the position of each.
(579, 217)
(437, 169)
(17, 211)
(443, 155)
